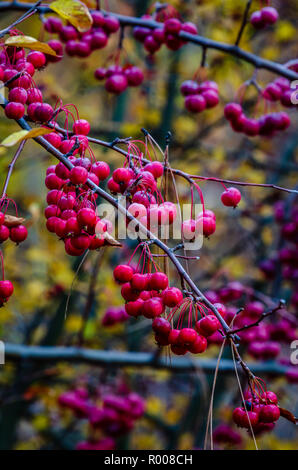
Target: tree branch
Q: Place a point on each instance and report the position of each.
(231, 49)
(16, 352)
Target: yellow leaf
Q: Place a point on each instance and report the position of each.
(17, 137)
(75, 12)
(29, 43)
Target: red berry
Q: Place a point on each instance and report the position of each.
(81, 242)
(122, 175)
(6, 289)
(269, 15)
(70, 249)
(231, 197)
(159, 281)
(78, 175)
(172, 296)
(244, 419)
(43, 112)
(269, 413)
(60, 228)
(134, 308)
(57, 47)
(98, 18)
(156, 168)
(134, 76)
(53, 24)
(14, 110)
(18, 94)
(199, 345)
(187, 336)
(195, 103)
(100, 73)
(153, 307)
(116, 83)
(18, 234)
(172, 26)
(161, 326)
(139, 281)
(270, 396)
(232, 111)
(2, 218)
(36, 58)
(111, 24)
(128, 293)
(81, 126)
(208, 325)
(123, 273)
(101, 170)
(52, 181)
(86, 216)
(4, 233)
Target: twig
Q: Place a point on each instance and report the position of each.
(32, 10)
(262, 317)
(231, 49)
(11, 166)
(244, 21)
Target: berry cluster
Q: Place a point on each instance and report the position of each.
(116, 416)
(267, 16)
(83, 44)
(267, 125)
(149, 294)
(71, 211)
(199, 96)
(118, 78)
(22, 90)
(280, 90)
(167, 34)
(260, 413)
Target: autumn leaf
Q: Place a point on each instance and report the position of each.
(109, 240)
(29, 43)
(75, 12)
(12, 221)
(288, 415)
(17, 137)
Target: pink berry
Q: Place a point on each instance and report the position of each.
(195, 103)
(231, 197)
(172, 296)
(123, 273)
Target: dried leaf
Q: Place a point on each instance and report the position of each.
(17, 137)
(109, 240)
(12, 221)
(288, 415)
(75, 12)
(29, 43)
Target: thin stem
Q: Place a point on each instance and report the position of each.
(10, 167)
(244, 21)
(32, 10)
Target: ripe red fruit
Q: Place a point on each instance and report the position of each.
(128, 293)
(172, 296)
(172, 26)
(111, 24)
(6, 289)
(34, 95)
(60, 228)
(231, 197)
(159, 281)
(134, 76)
(70, 249)
(116, 83)
(61, 171)
(98, 18)
(4, 233)
(54, 196)
(139, 281)
(161, 326)
(232, 111)
(78, 175)
(53, 24)
(99, 40)
(123, 273)
(51, 224)
(269, 413)
(100, 73)
(257, 20)
(81, 242)
(58, 48)
(87, 217)
(43, 112)
(153, 307)
(198, 346)
(122, 175)
(113, 186)
(269, 15)
(243, 419)
(72, 226)
(81, 126)
(208, 325)
(14, 110)
(156, 168)
(187, 336)
(178, 349)
(36, 58)
(52, 181)
(101, 170)
(18, 95)
(96, 241)
(209, 224)
(18, 234)
(134, 308)
(2, 218)
(270, 396)
(195, 103)
(151, 45)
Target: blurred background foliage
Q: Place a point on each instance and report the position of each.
(176, 404)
